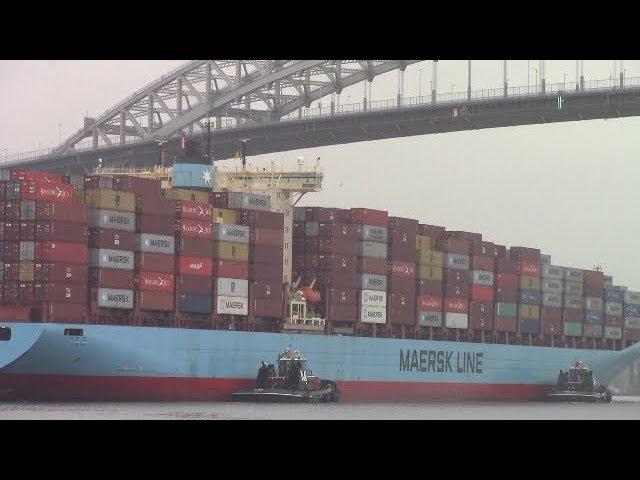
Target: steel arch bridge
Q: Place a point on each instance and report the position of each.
(224, 91)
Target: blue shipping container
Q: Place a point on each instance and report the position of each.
(631, 310)
(530, 297)
(193, 175)
(613, 296)
(592, 317)
(195, 303)
(526, 325)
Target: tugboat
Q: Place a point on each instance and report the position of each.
(293, 383)
(578, 385)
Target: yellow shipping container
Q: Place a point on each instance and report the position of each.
(223, 215)
(430, 257)
(529, 283)
(529, 311)
(424, 243)
(27, 271)
(187, 195)
(429, 272)
(111, 200)
(231, 251)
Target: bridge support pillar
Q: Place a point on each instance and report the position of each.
(542, 76)
(122, 128)
(504, 72)
(469, 80)
(434, 81)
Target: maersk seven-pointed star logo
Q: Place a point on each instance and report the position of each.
(206, 176)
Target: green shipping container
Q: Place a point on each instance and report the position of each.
(572, 329)
(506, 309)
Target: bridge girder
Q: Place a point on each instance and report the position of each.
(248, 91)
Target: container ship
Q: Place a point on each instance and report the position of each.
(175, 283)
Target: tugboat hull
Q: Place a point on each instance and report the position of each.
(273, 395)
(582, 397)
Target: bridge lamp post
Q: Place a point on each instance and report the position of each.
(419, 82)
(536, 70)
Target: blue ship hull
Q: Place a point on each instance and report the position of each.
(40, 361)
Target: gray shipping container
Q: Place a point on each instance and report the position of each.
(232, 287)
(115, 298)
(593, 303)
(545, 259)
(107, 258)
(480, 277)
(573, 301)
(592, 331)
(430, 319)
(552, 286)
(614, 309)
(551, 299)
(573, 274)
(614, 333)
(372, 233)
(618, 287)
(572, 288)
(232, 233)
(27, 250)
(249, 201)
(552, 271)
(370, 281)
(112, 219)
(5, 175)
(311, 229)
(150, 242)
(454, 260)
(28, 210)
(299, 214)
(608, 281)
(1, 271)
(632, 322)
(372, 249)
(632, 297)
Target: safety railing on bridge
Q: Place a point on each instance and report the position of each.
(324, 110)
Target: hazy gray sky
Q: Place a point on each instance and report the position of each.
(569, 189)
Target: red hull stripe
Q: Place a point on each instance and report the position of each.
(121, 388)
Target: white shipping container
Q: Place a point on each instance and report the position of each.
(573, 301)
(481, 277)
(232, 305)
(27, 250)
(573, 274)
(150, 242)
(611, 308)
(430, 319)
(593, 303)
(572, 288)
(632, 297)
(112, 219)
(614, 333)
(545, 259)
(107, 258)
(632, 322)
(232, 233)
(372, 249)
(232, 287)
(372, 233)
(311, 229)
(371, 281)
(373, 298)
(552, 286)
(373, 315)
(28, 210)
(115, 298)
(552, 271)
(455, 260)
(456, 320)
(551, 299)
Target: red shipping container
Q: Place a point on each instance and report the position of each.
(200, 266)
(231, 269)
(266, 307)
(60, 252)
(96, 182)
(265, 290)
(15, 313)
(163, 225)
(506, 265)
(12, 231)
(551, 314)
(333, 279)
(64, 313)
(260, 219)
(111, 278)
(366, 216)
(12, 271)
(194, 247)
(12, 211)
(266, 254)
(454, 276)
(507, 281)
(195, 210)
(572, 315)
(593, 278)
(485, 264)
(61, 231)
(111, 239)
(529, 269)
(343, 230)
(193, 284)
(429, 287)
(187, 227)
(60, 293)
(25, 293)
(401, 284)
(148, 300)
(264, 272)
(631, 334)
(613, 321)
(337, 262)
(338, 245)
(326, 215)
(433, 231)
(155, 262)
(342, 296)
(31, 175)
(157, 282)
(501, 251)
(299, 263)
(456, 305)
(458, 291)
(468, 236)
(401, 309)
(402, 269)
(551, 327)
(138, 185)
(402, 224)
(60, 273)
(299, 229)
(454, 245)
(402, 252)
(590, 290)
(525, 254)
(483, 249)
(310, 261)
(267, 236)
(505, 324)
(10, 293)
(374, 266)
(482, 292)
(506, 295)
(430, 303)
(156, 206)
(481, 315)
(43, 191)
(11, 251)
(73, 212)
(342, 313)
